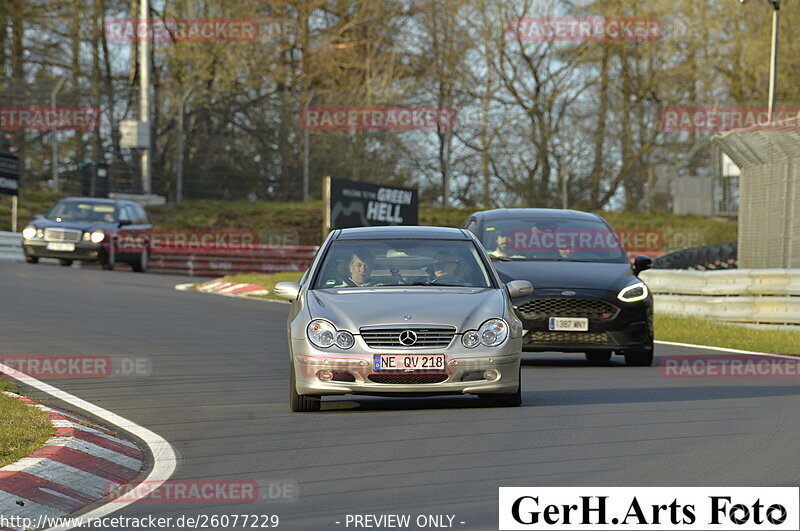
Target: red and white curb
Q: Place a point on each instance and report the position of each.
(228, 289)
(77, 466)
(222, 287)
(164, 459)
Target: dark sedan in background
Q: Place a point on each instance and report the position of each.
(103, 230)
(587, 296)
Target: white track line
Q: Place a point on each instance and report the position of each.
(183, 287)
(724, 349)
(164, 458)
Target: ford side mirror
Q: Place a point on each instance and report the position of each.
(642, 263)
(287, 290)
(124, 222)
(519, 288)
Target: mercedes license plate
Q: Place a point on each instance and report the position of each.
(406, 362)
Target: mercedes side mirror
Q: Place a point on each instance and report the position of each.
(519, 288)
(287, 290)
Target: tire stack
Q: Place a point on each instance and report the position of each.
(704, 258)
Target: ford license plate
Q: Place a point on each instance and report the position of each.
(406, 362)
(569, 324)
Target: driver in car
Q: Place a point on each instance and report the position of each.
(359, 268)
(501, 247)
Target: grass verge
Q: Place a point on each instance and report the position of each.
(23, 429)
(711, 333)
(266, 281)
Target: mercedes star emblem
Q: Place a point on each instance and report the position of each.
(407, 338)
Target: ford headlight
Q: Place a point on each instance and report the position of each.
(29, 233)
(633, 293)
(491, 334)
(323, 335)
(98, 236)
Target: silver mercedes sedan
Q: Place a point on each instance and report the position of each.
(403, 311)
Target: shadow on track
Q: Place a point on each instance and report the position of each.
(633, 395)
(570, 397)
(362, 403)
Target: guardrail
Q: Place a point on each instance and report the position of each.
(755, 296)
(11, 247)
(193, 261)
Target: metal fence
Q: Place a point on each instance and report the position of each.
(234, 146)
(769, 221)
(588, 134)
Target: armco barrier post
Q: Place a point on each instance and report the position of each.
(11, 247)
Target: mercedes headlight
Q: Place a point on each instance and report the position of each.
(633, 293)
(491, 334)
(471, 339)
(98, 236)
(323, 335)
(29, 233)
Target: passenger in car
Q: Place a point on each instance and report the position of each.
(445, 269)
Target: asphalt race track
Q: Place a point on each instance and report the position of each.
(218, 391)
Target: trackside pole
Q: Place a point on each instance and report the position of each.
(13, 213)
(326, 207)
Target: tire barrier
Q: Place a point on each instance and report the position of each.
(704, 258)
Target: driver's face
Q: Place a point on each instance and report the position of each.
(502, 242)
(359, 270)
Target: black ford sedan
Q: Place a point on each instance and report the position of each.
(107, 231)
(587, 296)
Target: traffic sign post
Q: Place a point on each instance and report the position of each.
(9, 182)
